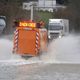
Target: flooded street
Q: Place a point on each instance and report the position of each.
(61, 62)
(40, 72)
(66, 49)
(47, 32)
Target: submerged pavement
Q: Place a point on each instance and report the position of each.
(40, 71)
(62, 62)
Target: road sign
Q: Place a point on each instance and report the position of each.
(27, 5)
(46, 3)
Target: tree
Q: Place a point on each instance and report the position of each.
(12, 9)
(72, 12)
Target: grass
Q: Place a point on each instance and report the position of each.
(45, 16)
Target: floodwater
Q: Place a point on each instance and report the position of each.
(6, 47)
(61, 50)
(40, 72)
(66, 49)
(61, 62)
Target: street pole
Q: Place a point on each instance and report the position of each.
(32, 12)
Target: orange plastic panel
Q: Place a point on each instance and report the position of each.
(26, 42)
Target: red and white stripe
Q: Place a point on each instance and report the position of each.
(15, 41)
(37, 42)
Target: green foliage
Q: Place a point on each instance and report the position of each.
(45, 16)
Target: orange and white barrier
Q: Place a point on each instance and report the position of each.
(37, 42)
(15, 48)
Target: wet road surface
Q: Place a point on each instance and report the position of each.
(40, 71)
(65, 50)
